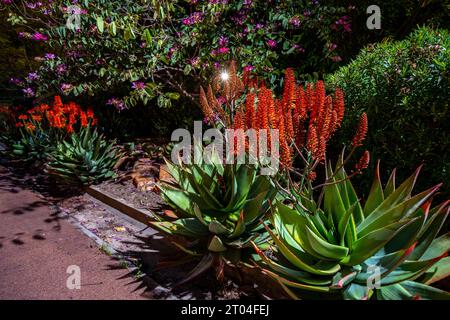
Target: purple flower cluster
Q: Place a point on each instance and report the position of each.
(172, 50)
(117, 103)
(295, 21)
(331, 46)
(344, 22)
(28, 92)
(194, 18)
(37, 36)
(32, 76)
(138, 85)
(194, 61)
(223, 41)
(61, 69)
(299, 48)
(34, 5)
(221, 50)
(218, 1)
(50, 56)
(16, 81)
(271, 43)
(66, 87)
(73, 54)
(211, 120)
(336, 58)
(74, 10)
(239, 18)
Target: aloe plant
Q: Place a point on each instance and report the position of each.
(219, 208)
(386, 249)
(86, 158)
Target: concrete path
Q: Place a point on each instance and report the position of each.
(37, 247)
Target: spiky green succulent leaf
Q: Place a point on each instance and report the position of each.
(85, 159)
(227, 200)
(386, 249)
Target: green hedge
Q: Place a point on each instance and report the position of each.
(404, 87)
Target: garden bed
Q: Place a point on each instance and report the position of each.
(125, 190)
(132, 241)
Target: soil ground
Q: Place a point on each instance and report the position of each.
(44, 229)
(37, 246)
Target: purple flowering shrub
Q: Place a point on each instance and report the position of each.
(133, 52)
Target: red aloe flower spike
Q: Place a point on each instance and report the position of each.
(289, 89)
(333, 123)
(321, 148)
(309, 97)
(238, 120)
(339, 105)
(313, 141)
(83, 119)
(300, 135)
(289, 123)
(30, 126)
(361, 131)
(238, 124)
(206, 109)
(90, 113)
(301, 107)
(363, 163)
(328, 123)
(72, 119)
(320, 102)
(264, 120)
(249, 109)
(69, 128)
(57, 102)
(212, 101)
(36, 117)
(271, 112)
(260, 107)
(285, 152)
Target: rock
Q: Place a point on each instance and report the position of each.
(144, 174)
(170, 214)
(164, 174)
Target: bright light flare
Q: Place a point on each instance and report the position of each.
(224, 76)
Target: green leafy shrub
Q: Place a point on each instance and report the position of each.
(86, 158)
(159, 50)
(404, 88)
(333, 249)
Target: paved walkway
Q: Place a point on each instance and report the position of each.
(36, 248)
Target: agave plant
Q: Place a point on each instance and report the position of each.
(386, 249)
(84, 159)
(32, 148)
(219, 208)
